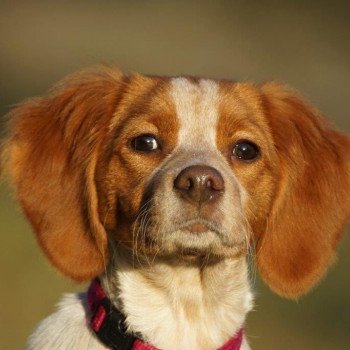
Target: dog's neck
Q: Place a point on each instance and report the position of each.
(175, 304)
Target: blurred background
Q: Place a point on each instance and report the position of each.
(305, 44)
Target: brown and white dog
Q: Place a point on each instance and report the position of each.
(162, 187)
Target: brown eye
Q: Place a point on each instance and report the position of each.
(245, 150)
(145, 143)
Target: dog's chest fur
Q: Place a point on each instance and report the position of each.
(172, 307)
(185, 307)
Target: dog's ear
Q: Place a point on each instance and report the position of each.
(312, 203)
(52, 150)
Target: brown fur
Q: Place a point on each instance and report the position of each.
(53, 146)
(313, 198)
(73, 171)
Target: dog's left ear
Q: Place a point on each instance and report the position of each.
(52, 151)
(312, 203)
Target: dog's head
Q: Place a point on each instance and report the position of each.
(181, 166)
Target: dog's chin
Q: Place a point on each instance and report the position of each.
(193, 243)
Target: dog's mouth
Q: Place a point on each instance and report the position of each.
(194, 237)
(190, 239)
(199, 226)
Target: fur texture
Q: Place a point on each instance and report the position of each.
(174, 262)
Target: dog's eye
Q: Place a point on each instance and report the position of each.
(145, 143)
(245, 150)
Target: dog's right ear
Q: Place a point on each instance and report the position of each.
(51, 153)
(312, 203)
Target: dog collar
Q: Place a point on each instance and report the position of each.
(108, 323)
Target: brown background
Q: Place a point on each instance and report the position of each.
(305, 44)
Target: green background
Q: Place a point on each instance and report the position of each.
(305, 44)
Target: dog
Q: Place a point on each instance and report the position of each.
(159, 189)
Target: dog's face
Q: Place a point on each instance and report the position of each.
(181, 166)
(188, 169)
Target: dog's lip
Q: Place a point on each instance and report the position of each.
(199, 226)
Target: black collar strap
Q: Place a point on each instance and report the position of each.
(106, 320)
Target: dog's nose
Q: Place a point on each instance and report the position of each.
(199, 184)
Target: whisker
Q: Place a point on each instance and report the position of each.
(135, 238)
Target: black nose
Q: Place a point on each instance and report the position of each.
(199, 184)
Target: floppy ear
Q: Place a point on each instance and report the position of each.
(52, 151)
(313, 198)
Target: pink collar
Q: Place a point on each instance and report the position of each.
(233, 344)
(108, 323)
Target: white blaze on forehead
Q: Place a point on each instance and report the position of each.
(196, 107)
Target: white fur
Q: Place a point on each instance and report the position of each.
(219, 295)
(196, 107)
(66, 328)
(181, 306)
